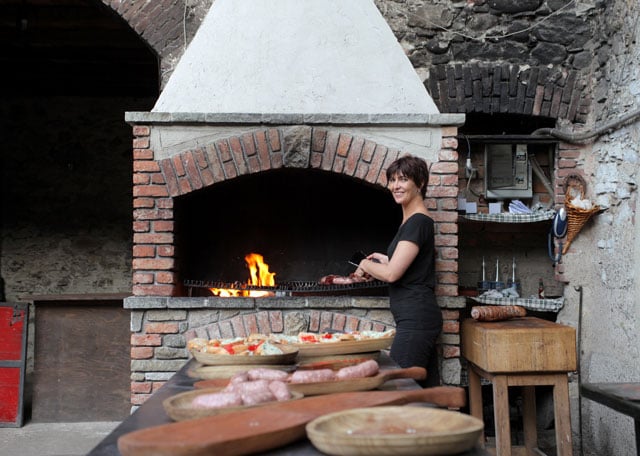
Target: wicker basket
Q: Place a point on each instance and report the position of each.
(576, 219)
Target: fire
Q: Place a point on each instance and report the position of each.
(259, 275)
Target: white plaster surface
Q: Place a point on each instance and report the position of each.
(293, 56)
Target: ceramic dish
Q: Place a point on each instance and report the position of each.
(394, 430)
(179, 407)
(288, 356)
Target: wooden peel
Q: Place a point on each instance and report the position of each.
(337, 386)
(268, 427)
(358, 384)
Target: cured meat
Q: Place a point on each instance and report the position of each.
(312, 376)
(367, 368)
(497, 313)
(217, 400)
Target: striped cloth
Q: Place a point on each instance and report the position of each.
(545, 305)
(506, 217)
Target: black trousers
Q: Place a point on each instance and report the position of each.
(417, 347)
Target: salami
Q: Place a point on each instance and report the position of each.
(497, 313)
(367, 368)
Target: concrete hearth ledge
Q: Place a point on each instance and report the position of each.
(402, 119)
(283, 303)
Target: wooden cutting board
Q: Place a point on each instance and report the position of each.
(270, 426)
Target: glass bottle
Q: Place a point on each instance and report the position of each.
(540, 289)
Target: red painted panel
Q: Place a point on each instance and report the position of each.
(11, 333)
(9, 394)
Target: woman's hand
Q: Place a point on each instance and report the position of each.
(378, 258)
(387, 269)
(359, 272)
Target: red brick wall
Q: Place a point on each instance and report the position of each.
(156, 183)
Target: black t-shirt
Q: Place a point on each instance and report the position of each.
(412, 299)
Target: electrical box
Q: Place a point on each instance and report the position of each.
(507, 171)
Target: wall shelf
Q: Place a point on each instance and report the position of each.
(543, 305)
(506, 217)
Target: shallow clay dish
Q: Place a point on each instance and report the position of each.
(288, 356)
(394, 430)
(179, 407)
(343, 347)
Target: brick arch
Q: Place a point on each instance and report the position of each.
(275, 148)
(510, 89)
(272, 321)
(162, 26)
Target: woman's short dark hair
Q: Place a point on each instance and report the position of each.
(414, 168)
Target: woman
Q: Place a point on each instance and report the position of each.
(409, 268)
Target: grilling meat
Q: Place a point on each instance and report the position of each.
(334, 279)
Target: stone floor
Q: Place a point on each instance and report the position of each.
(53, 439)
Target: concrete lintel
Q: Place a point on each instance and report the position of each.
(181, 118)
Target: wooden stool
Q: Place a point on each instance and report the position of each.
(525, 352)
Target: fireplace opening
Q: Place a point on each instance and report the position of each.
(305, 223)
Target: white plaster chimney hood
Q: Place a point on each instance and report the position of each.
(304, 57)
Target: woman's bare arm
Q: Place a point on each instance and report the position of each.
(394, 268)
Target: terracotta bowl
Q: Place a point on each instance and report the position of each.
(395, 430)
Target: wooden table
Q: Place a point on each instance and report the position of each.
(621, 397)
(152, 413)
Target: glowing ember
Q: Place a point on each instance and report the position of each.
(259, 275)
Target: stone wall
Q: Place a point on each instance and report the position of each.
(472, 55)
(604, 290)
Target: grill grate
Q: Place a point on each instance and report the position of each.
(288, 287)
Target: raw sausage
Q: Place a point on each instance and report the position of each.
(217, 400)
(252, 392)
(280, 390)
(239, 377)
(367, 368)
(312, 376)
(257, 397)
(497, 313)
(248, 387)
(264, 373)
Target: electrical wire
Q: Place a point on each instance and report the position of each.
(578, 138)
(483, 37)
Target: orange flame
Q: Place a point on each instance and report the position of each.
(259, 275)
